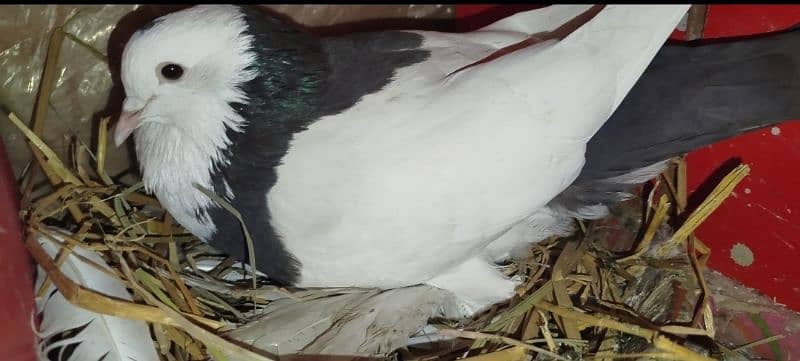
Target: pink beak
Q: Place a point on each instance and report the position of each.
(128, 121)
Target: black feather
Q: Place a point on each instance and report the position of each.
(363, 64)
(691, 96)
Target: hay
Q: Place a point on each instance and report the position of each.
(579, 300)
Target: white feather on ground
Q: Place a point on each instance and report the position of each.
(367, 323)
(89, 335)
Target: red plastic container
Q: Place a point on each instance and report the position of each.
(16, 274)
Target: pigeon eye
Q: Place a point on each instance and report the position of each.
(172, 71)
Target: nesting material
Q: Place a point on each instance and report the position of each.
(636, 292)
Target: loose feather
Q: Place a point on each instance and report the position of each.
(71, 333)
(366, 323)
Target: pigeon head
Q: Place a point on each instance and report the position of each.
(180, 74)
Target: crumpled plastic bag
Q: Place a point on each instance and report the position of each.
(84, 81)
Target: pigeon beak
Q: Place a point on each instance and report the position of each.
(128, 121)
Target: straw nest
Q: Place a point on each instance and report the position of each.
(581, 298)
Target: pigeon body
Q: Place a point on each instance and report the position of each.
(375, 160)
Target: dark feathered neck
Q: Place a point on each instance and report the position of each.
(282, 100)
(292, 70)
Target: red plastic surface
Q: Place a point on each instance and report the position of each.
(764, 213)
(16, 275)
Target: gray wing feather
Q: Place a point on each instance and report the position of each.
(690, 96)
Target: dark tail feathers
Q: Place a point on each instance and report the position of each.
(690, 96)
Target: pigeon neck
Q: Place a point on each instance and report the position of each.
(291, 75)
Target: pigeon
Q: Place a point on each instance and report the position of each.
(376, 160)
(691, 95)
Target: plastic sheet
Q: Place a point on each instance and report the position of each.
(84, 78)
(82, 82)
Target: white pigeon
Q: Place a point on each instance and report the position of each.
(382, 159)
